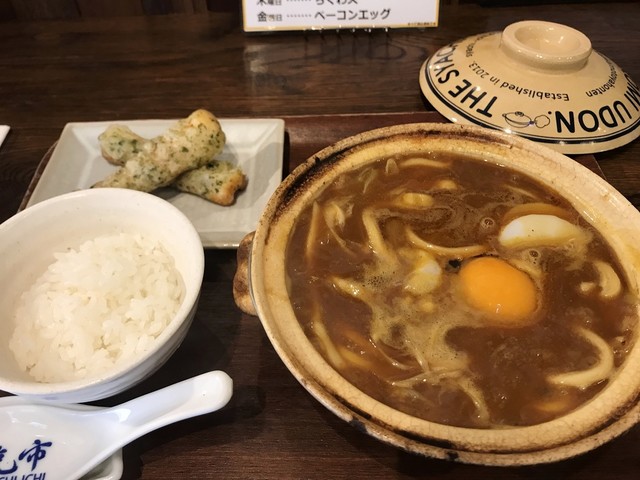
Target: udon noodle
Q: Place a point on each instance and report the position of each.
(459, 291)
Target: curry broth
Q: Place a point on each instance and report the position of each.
(429, 353)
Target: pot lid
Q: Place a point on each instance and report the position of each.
(539, 80)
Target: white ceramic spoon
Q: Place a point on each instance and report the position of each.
(54, 441)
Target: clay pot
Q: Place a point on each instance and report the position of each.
(260, 289)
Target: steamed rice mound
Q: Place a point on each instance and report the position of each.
(96, 307)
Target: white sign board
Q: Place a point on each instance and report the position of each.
(273, 15)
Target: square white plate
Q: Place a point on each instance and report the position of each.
(255, 145)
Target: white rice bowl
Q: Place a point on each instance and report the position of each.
(96, 307)
(122, 329)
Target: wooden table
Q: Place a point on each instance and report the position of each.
(56, 72)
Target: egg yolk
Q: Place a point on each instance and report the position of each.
(493, 286)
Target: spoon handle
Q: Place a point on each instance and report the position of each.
(196, 396)
(130, 420)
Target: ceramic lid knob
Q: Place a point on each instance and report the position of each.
(546, 45)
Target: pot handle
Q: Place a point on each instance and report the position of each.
(241, 282)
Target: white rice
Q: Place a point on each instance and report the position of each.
(96, 307)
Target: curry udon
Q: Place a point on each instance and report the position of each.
(459, 291)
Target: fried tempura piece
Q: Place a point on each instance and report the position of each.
(218, 182)
(191, 143)
(118, 143)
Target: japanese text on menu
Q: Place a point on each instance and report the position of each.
(269, 15)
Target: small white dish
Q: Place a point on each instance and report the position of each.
(4, 129)
(255, 145)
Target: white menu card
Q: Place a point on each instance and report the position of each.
(274, 15)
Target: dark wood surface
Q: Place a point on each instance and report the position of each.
(78, 70)
(59, 9)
